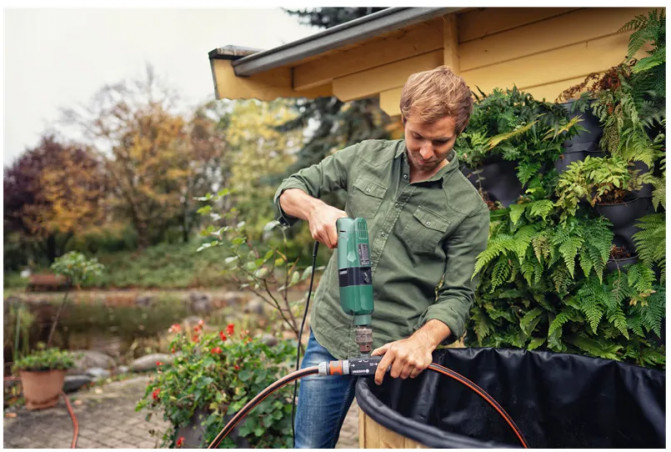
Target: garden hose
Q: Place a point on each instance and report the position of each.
(359, 367)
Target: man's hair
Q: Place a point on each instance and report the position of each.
(435, 94)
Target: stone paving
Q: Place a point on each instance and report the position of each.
(107, 419)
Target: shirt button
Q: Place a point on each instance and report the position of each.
(397, 205)
(405, 176)
(428, 223)
(368, 190)
(382, 234)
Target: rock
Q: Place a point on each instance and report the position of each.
(254, 306)
(148, 362)
(200, 302)
(232, 298)
(86, 359)
(144, 301)
(123, 370)
(98, 373)
(269, 340)
(74, 382)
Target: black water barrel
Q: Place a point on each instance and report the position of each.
(556, 400)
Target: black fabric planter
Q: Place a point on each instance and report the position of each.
(556, 399)
(587, 140)
(498, 178)
(574, 155)
(620, 264)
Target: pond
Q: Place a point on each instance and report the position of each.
(123, 324)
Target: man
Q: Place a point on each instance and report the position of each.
(426, 224)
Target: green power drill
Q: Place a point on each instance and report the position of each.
(354, 275)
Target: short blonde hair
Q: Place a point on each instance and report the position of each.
(435, 94)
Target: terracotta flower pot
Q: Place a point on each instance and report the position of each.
(41, 388)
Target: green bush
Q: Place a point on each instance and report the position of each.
(220, 373)
(47, 359)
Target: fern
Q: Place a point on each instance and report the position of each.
(596, 346)
(650, 241)
(530, 320)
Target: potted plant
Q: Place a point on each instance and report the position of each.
(511, 143)
(42, 375)
(212, 377)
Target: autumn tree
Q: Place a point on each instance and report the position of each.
(52, 192)
(157, 160)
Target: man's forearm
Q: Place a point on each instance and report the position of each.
(298, 204)
(433, 333)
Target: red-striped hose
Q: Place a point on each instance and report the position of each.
(313, 370)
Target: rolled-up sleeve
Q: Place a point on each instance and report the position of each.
(316, 180)
(455, 296)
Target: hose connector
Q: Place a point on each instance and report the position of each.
(357, 367)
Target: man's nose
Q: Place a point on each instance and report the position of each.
(425, 151)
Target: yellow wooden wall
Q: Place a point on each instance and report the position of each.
(541, 50)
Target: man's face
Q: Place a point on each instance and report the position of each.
(429, 143)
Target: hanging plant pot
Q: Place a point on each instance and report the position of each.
(623, 215)
(587, 140)
(584, 143)
(41, 388)
(498, 178)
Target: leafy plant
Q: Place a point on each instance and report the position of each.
(261, 266)
(45, 359)
(544, 285)
(219, 373)
(650, 242)
(513, 125)
(603, 180)
(77, 269)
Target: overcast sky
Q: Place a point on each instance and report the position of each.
(55, 58)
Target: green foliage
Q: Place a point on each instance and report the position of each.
(219, 374)
(513, 125)
(45, 359)
(259, 265)
(597, 180)
(77, 268)
(651, 241)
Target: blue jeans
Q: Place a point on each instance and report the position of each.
(322, 402)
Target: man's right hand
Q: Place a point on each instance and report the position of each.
(322, 220)
(320, 216)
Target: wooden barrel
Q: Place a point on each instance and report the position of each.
(375, 436)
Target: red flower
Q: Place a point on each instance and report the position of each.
(230, 329)
(201, 323)
(236, 367)
(195, 338)
(159, 363)
(196, 328)
(175, 328)
(172, 350)
(155, 393)
(180, 441)
(222, 336)
(215, 350)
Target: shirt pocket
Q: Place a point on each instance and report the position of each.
(366, 198)
(425, 230)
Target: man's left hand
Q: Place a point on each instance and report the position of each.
(406, 358)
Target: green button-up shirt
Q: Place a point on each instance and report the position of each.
(420, 234)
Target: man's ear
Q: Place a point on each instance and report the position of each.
(403, 119)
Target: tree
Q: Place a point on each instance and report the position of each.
(337, 124)
(51, 192)
(157, 160)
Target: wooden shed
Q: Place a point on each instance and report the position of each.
(540, 50)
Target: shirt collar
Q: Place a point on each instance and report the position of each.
(451, 166)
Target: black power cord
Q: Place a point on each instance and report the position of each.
(300, 336)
